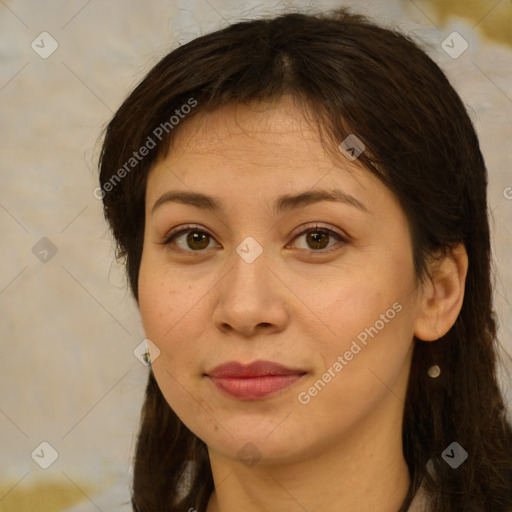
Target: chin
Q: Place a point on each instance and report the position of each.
(256, 445)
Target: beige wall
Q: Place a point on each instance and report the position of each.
(68, 329)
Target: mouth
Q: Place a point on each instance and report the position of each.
(255, 381)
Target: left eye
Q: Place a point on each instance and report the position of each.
(316, 237)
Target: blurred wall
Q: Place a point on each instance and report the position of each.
(69, 378)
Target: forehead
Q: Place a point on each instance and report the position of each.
(272, 139)
(276, 116)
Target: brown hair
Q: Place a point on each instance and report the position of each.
(350, 76)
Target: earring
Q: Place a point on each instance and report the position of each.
(434, 371)
(147, 356)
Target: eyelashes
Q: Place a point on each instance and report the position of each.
(315, 234)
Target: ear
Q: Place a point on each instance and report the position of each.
(442, 295)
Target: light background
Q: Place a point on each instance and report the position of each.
(69, 326)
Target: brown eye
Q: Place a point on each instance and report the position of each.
(317, 238)
(191, 240)
(197, 240)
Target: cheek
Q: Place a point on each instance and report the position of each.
(374, 295)
(161, 299)
(164, 314)
(371, 317)
(169, 309)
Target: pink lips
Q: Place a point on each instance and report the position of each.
(255, 381)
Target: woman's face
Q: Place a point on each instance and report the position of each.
(323, 288)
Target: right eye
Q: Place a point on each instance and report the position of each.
(196, 240)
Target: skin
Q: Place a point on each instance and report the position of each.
(296, 304)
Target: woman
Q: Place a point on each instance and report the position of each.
(301, 202)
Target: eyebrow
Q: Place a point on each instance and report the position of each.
(283, 203)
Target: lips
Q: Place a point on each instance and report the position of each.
(255, 381)
(255, 369)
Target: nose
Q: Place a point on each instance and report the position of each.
(251, 299)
